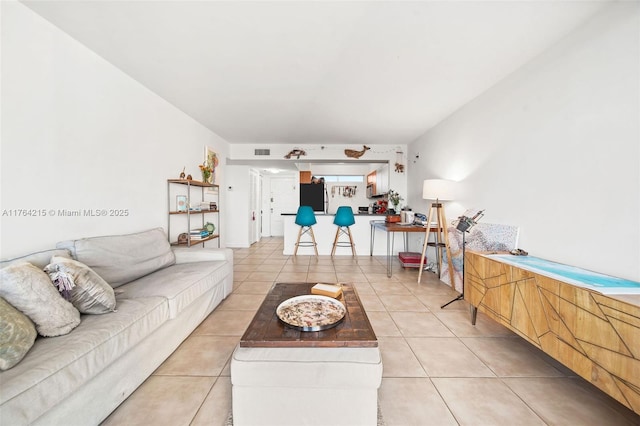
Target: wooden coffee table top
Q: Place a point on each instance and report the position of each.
(267, 331)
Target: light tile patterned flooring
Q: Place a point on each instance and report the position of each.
(438, 368)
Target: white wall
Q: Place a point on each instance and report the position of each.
(335, 191)
(397, 181)
(554, 149)
(77, 133)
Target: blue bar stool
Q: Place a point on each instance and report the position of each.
(344, 219)
(305, 218)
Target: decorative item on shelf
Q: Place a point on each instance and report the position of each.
(183, 238)
(399, 160)
(356, 154)
(198, 234)
(181, 203)
(213, 205)
(210, 228)
(189, 177)
(295, 153)
(182, 175)
(394, 199)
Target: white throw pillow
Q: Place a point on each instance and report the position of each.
(29, 290)
(17, 335)
(90, 294)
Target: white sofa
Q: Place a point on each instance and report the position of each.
(81, 377)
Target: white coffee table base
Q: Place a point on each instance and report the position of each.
(305, 386)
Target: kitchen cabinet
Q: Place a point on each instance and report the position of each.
(371, 184)
(378, 182)
(382, 180)
(305, 177)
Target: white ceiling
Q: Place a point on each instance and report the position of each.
(318, 72)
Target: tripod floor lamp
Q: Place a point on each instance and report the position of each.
(437, 190)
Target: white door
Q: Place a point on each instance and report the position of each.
(283, 199)
(265, 205)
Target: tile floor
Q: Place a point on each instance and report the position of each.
(438, 368)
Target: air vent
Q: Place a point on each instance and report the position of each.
(262, 152)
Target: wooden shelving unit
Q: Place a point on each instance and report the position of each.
(214, 197)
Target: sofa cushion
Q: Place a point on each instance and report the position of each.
(120, 259)
(39, 259)
(17, 334)
(30, 290)
(57, 367)
(90, 294)
(180, 284)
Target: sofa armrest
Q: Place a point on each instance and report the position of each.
(188, 255)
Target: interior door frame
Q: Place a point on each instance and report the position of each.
(254, 206)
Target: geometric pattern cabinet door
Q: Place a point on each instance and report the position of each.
(595, 335)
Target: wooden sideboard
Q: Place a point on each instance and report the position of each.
(595, 335)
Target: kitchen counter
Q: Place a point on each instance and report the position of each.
(325, 233)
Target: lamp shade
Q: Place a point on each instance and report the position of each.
(438, 189)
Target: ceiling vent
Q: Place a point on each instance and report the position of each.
(262, 152)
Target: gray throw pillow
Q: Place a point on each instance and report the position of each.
(17, 334)
(120, 259)
(29, 290)
(90, 294)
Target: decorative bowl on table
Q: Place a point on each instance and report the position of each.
(311, 312)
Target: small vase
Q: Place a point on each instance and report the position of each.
(206, 178)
